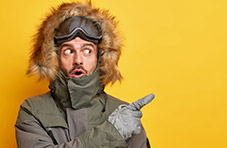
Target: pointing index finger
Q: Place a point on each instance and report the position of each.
(137, 105)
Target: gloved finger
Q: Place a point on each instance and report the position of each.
(137, 105)
(134, 113)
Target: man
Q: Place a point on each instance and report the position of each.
(77, 49)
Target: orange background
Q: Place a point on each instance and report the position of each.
(173, 48)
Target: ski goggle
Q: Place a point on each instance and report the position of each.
(78, 26)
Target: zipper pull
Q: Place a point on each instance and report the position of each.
(50, 133)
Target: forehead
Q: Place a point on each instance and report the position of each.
(78, 43)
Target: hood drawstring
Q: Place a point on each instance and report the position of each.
(104, 95)
(105, 98)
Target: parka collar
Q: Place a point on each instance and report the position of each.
(76, 93)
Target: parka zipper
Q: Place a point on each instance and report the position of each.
(50, 133)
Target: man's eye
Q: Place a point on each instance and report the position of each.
(68, 51)
(87, 51)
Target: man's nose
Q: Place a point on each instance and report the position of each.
(78, 59)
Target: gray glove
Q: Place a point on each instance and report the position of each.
(126, 118)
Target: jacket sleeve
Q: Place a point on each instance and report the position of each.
(139, 141)
(31, 134)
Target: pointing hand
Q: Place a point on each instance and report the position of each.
(126, 118)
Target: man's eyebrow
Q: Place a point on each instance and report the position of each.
(88, 44)
(65, 45)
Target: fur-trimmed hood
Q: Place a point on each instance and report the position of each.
(44, 59)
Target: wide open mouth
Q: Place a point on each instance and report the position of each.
(77, 73)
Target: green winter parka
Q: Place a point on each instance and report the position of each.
(72, 115)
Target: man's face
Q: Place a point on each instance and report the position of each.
(78, 57)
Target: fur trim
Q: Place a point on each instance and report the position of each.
(44, 60)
